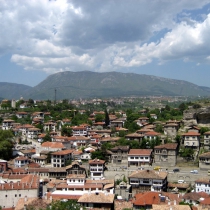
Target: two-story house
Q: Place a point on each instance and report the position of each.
(166, 154)
(21, 114)
(21, 161)
(60, 158)
(191, 139)
(49, 126)
(80, 130)
(170, 129)
(206, 140)
(138, 157)
(204, 161)
(7, 124)
(76, 168)
(148, 180)
(96, 168)
(119, 154)
(202, 185)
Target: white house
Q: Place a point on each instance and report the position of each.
(202, 185)
(148, 180)
(138, 157)
(96, 168)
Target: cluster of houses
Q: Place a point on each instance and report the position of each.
(54, 170)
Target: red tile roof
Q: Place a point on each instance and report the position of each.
(140, 152)
(191, 133)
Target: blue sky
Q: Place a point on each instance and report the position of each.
(162, 38)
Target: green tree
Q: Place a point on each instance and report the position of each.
(64, 205)
(6, 144)
(98, 155)
(66, 131)
(99, 117)
(47, 138)
(203, 130)
(107, 120)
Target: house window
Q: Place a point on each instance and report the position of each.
(5, 195)
(15, 195)
(19, 195)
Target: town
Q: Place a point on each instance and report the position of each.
(120, 153)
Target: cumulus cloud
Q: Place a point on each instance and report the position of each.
(109, 35)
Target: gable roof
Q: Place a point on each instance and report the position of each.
(149, 174)
(52, 144)
(96, 198)
(167, 146)
(191, 133)
(140, 152)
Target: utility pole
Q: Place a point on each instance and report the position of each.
(55, 97)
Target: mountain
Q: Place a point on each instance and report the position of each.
(13, 90)
(86, 84)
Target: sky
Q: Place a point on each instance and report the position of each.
(164, 38)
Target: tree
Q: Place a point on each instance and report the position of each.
(66, 131)
(64, 205)
(107, 118)
(6, 144)
(99, 117)
(203, 130)
(98, 155)
(47, 138)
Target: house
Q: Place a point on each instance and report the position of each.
(171, 129)
(7, 124)
(99, 124)
(142, 121)
(134, 136)
(202, 185)
(147, 200)
(3, 165)
(191, 139)
(50, 147)
(60, 158)
(96, 168)
(148, 180)
(33, 132)
(25, 187)
(154, 116)
(80, 130)
(194, 128)
(24, 129)
(76, 168)
(138, 157)
(166, 154)
(76, 185)
(20, 161)
(76, 155)
(97, 200)
(49, 126)
(28, 152)
(192, 198)
(206, 140)
(119, 154)
(117, 122)
(204, 161)
(79, 141)
(151, 135)
(21, 114)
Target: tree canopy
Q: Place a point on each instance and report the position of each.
(6, 144)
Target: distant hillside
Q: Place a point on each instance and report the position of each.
(86, 84)
(12, 90)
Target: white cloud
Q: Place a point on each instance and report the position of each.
(76, 35)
